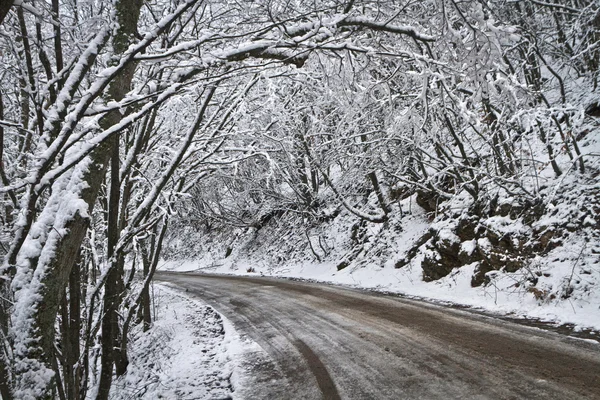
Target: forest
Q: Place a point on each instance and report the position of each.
(137, 130)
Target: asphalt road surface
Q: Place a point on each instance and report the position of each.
(327, 342)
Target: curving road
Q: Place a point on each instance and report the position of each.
(327, 342)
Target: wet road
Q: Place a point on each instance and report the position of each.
(327, 342)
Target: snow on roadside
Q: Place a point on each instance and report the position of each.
(502, 297)
(279, 253)
(190, 352)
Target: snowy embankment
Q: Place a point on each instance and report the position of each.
(507, 294)
(454, 289)
(190, 352)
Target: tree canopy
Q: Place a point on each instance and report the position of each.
(114, 114)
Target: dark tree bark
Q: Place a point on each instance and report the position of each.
(3, 176)
(5, 8)
(145, 295)
(112, 287)
(128, 14)
(376, 186)
(4, 287)
(30, 71)
(305, 186)
(58, 42)
(71, 330)
(59, 268)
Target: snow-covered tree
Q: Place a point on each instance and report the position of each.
(110, 112)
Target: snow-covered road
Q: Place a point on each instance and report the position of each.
(335, 343)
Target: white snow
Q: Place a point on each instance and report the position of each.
(506, 294)
(455, 288)
(37, 254)
(190, 352)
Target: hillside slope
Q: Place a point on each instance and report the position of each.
(466, 169)
(544, 265)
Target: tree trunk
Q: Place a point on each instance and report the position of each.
(3, 176)
(5, 8)
(58, 54)
(128, 13)
(112, 287)
(71, 351)
(145, 306)
(40, 353)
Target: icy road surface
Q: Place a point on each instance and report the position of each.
(327, 342)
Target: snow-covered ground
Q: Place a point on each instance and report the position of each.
(502, 297)
(546, 255)
(190, 352)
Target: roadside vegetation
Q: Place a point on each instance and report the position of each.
(437, 135)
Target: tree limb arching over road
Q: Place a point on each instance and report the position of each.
(330, 342)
